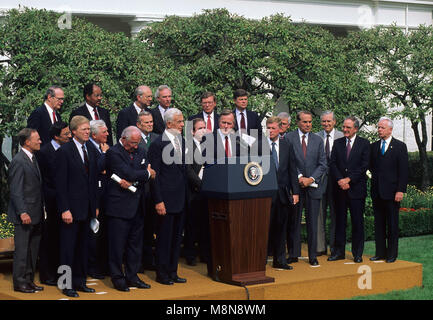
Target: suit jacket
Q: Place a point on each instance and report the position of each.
(25, 185)
(193, 168)
(76, 190)
(126, 117)
(337, 135)
(158, 121)
(104, 114)
(200, 115)
(153, 137)
(355, 167)
(314, 165)
(46, 157)
(253, 122)
(287, 176)
(214, 148)
(123, 203)
(389, 171)
(40, 120)
(170, 183)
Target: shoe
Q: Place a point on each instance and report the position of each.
(164, 281)
(282, 266)
(139, 284)
(150, 267)
(336, 257)
(178, 280)
(50, 282)
(96, 276)
(191, 262)
(357, 259)
(24, 288)
(84, 288)
(121, 287)
(70, 293)
(391, 260)
(292, 259)
(35, 287)
(377, 258)
(314, 262)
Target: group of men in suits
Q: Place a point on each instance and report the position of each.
(158, 192)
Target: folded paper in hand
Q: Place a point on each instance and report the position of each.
(116, 178)
(94, 225)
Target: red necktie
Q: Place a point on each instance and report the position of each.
(304, 146)
(96, 113)
(227, 147)
(242, 121)
(208, 125)
(54, 116)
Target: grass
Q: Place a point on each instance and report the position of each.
(415, 249)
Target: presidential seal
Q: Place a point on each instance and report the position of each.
(253, 173)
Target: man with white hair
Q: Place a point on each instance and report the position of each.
(124, 209)
(285, 123)
(389, 168)
(167, 157)
(163, 95)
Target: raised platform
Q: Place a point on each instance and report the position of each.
(331, 280)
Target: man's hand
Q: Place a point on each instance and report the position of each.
(152, 172)
(398, 196)
(344, 183)
(305, 182)
(160, 209)
(295, 198)
(104, 147)
(67, 217)
(25, 218)
(97, 212)
(125, 184)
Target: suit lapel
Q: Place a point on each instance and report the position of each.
(34, 166)
(77, 157)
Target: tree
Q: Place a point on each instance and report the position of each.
(401, 67)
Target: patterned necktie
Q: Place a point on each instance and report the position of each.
(209, 124)
(177, 145)
(96, 113)
(274, 155)
(383, 147)
(227, 147)
(148, 140)
(304, 146)
(348, 149)
(243, 126)
(86, 159)
(327, 148)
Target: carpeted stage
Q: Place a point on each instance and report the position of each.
(331, 280)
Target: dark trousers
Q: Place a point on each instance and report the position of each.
(98, 248)
(356, 208)
(278, 230)
(328, 200)
(148, 231)
(74, 242)
(26, 239)
(293, 233)
(168, 241)
(386, 217)
(125, 245)
(49, 249)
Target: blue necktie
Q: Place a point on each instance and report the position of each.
(383, 147)
(274, 155)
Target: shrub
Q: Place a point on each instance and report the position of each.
(6, 227)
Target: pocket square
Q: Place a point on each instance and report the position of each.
(143, 161)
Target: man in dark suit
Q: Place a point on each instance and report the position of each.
(76, 173)
(145, 124)
(25, 210)
(44, 116)
(167, 157)
(98, 247)
(247, 121)
(196, 221)
(128, 116)
(329, 134)
(49, 248)
(288, 191)
(208, 113)
(124, 211)
(349, 163)
(92, 110)
(163, 95)
(310, 162)
(389, 168)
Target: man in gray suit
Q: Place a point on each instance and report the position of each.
(329, 134)
(310, 161)
(25, 210)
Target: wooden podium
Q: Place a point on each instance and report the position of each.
(239, 215)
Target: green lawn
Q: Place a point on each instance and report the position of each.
(415, 249)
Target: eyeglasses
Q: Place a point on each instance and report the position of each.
(60, 99)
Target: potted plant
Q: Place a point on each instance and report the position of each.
(6, 234)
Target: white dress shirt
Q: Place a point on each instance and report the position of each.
(239, 117)
(92, 112)
(50, 112)
(212, 118)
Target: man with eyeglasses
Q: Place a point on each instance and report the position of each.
(208, 113)
(45, 115)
